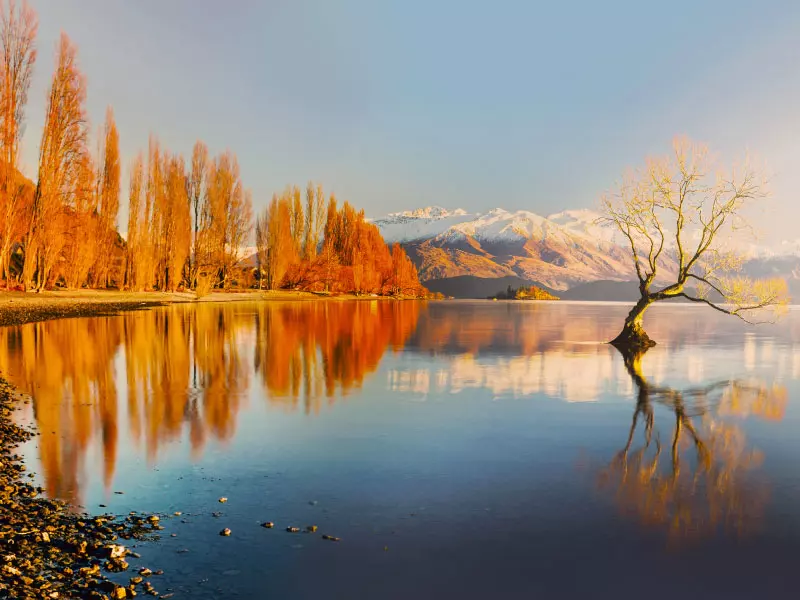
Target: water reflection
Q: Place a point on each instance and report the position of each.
(186, 371)
(700, 477)
(313, 351)
(695, 439)
(519, 350)
(153, 378)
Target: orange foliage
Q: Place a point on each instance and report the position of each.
(187, 371)
(353, 258)
(17, 57)
(61, 163)
(183, 227)
(107, 202)
(308, 350)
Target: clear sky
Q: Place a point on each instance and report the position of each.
(400, 104)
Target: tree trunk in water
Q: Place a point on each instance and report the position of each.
(633, 335)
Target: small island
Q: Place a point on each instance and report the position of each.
(530, 292)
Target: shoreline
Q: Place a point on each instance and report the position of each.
(50, 548)
(47, 548)
(19, 308)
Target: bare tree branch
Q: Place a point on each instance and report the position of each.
(703, 203)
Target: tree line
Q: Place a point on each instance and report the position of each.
(304, 244)
(188, 223)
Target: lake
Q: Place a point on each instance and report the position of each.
(458, 449)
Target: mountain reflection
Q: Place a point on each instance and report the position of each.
(699, 477)
(517, 350)
(185, 370)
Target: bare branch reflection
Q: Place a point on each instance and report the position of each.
(700, 477)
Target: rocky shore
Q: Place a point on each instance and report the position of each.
(47, 550)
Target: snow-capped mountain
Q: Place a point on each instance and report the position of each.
(494, 224)
(559, 251)
(587, 223)
(422, 223)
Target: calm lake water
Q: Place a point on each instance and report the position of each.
(458, 449)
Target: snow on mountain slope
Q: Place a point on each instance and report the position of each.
(560, 250)
(422, 223)
(499, 224)
(493, 225)
(496, 224)
(587, 223)
(556, 251)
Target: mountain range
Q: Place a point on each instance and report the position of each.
(559, 251)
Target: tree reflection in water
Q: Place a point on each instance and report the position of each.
(701, 479)
(187, 371)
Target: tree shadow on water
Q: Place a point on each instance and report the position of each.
(692, 474)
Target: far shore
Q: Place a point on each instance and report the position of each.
(17, 308)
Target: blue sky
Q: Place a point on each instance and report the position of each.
(395, 105)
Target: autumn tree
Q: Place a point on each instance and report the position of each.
(137, 230)
(154, 241)
(675, 216)
(230, 214)
(297, 221)
(262, 244)
(314, 217)
(329, 258)
(174, 222)
(61, 154)
(197, 194)
(353, 256)
(108, 190)
(279, 245)
(83, 237)
(404, 279)
(333, 225)
(17, 57)
(177, 222)
(170, 228)
(240, 226)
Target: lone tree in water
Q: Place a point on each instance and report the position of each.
(677, 215)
